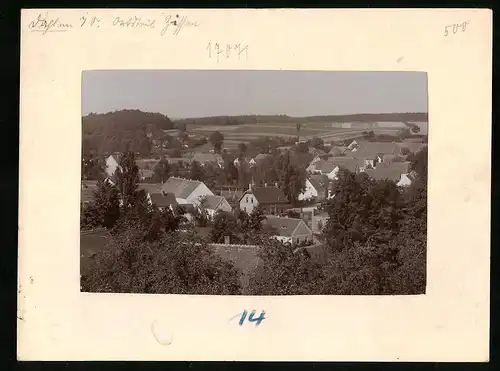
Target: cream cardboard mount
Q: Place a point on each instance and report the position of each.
(449, 323)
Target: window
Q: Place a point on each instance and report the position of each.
(247, 199)
(251, 199)
(298, 240)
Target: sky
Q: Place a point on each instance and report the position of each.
(200, 93)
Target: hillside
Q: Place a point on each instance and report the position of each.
(121, 130)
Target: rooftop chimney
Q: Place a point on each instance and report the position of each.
(250, 187)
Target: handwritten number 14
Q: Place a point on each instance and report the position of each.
(251, 317)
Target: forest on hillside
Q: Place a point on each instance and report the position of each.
(123, 130)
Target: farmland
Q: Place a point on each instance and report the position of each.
(234, 134)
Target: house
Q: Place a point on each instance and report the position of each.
(186, 191)
(145, 174)
(305, 213)
(112, 164)
(352, 145)
(372, 153)
(272, 200)
(338, 150)
(407, 179)
(163, 201)
(212, 204)
(289, 230)
(259, 158)
(412, 147)
(204, 158)
(393, 171)
(331, 167)
(310, 192)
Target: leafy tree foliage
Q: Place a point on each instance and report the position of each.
(127, 176)
(216, 138)
(104, 210)
(175, 263)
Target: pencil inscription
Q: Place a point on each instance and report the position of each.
(218, 51)
(455, 27)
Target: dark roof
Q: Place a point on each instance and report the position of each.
(180, 187)
(206, 157)
(283, 226)
(390, 171)
(211, 202)
(244, 257)
(317, 182)
(413, 147)
(369, 150)
(402, 167)
(267, 195)
(163, 200)
(150, 187)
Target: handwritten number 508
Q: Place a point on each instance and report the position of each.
(455, 27)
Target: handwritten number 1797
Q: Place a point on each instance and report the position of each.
(218, 51)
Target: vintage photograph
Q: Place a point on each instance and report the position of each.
(245, 182)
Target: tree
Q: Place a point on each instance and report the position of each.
(242, 150)
(161, 171)
(293, 177)
(298, 126)
(104, 210)
(217, 139)
(92, 168)
(224, 224)
(127, 176)
(176, 263)
(196, 171)
(317, 142)
(285, 271)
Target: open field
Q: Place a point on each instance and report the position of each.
(328, 131)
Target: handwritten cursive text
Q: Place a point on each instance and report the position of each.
(44, 24)
(176, 24)
(134, 22)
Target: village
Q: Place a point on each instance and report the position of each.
(291, 204)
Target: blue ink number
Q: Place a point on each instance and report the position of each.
(251, 317)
